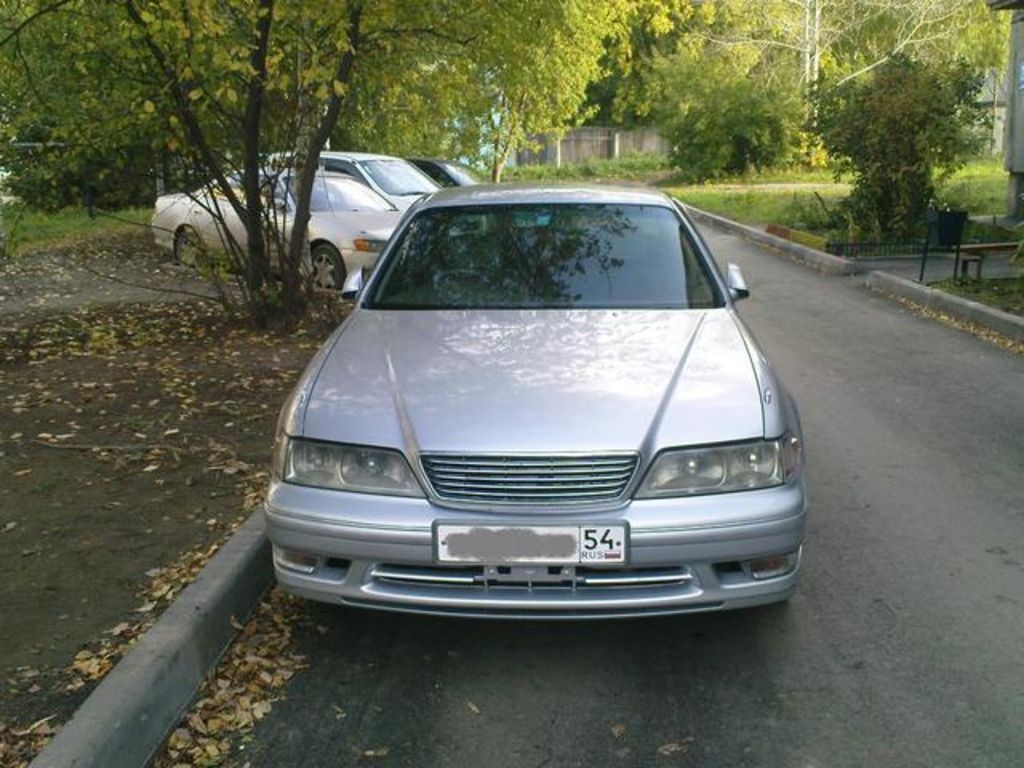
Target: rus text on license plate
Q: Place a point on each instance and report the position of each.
(555, 544)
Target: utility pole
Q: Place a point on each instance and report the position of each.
(811, 44)
(816, 41)
(806, 45)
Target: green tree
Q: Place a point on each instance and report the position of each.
(222, 84)
(897, 130)
(790, 42)
(513, 82)
(722, 118)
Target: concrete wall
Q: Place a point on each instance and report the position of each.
(591, 143)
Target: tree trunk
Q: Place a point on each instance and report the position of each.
(498, 166)
(306, 167)
(257, 263)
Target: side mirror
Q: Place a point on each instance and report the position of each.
(737, 283)
(353, 286)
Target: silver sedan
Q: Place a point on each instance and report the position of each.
(543, 405)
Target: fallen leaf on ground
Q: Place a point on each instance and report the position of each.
(618, 730)
(36, 727)
(242, 689)
(675, 748)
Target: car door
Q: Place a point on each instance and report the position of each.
(215, 219)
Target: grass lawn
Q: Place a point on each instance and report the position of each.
(788, 197)
(789, 204)
(1005, 293)
(978, 187)
(629, 168)
(29, 228)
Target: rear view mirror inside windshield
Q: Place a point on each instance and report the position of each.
(531, 219)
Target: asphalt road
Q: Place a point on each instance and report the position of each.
(903, 647)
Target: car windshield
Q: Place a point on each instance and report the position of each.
(335, 195)
(397, 177)
(544, 256)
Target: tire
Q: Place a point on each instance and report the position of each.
(188, 248)
(327, 267)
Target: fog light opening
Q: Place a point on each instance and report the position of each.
(772, 567)
(300, 562)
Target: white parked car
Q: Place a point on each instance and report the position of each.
(349, 225)
(396, 179)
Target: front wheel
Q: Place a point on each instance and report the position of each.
(328, 267)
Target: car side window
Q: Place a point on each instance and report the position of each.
(436, 174)
(342, 166)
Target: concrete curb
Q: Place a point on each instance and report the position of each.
(959, 308)
(825, 263)
(126, 719)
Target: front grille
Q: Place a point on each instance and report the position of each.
(529, 479)
(505, 578)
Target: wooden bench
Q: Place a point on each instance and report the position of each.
(974, 253)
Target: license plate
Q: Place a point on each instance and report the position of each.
(555, 544)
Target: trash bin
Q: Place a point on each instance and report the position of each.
(945, 230)
(947, 227)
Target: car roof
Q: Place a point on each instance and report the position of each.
(322, 174)
(527, 193)
(331, 154)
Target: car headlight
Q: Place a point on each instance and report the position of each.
(722, 468)
(348, 468)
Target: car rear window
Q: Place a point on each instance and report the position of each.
(544, 256)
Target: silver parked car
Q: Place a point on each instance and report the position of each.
(398, 180)
(543, 405)
(349, 224)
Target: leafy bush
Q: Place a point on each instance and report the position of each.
(50, 179)
(723, 121)
(898, 131)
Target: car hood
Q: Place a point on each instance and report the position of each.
(343, 227)
(536, 381)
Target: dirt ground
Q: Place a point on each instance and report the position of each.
(121, 266)
(131, 434)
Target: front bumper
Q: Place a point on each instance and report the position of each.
(686, 555)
